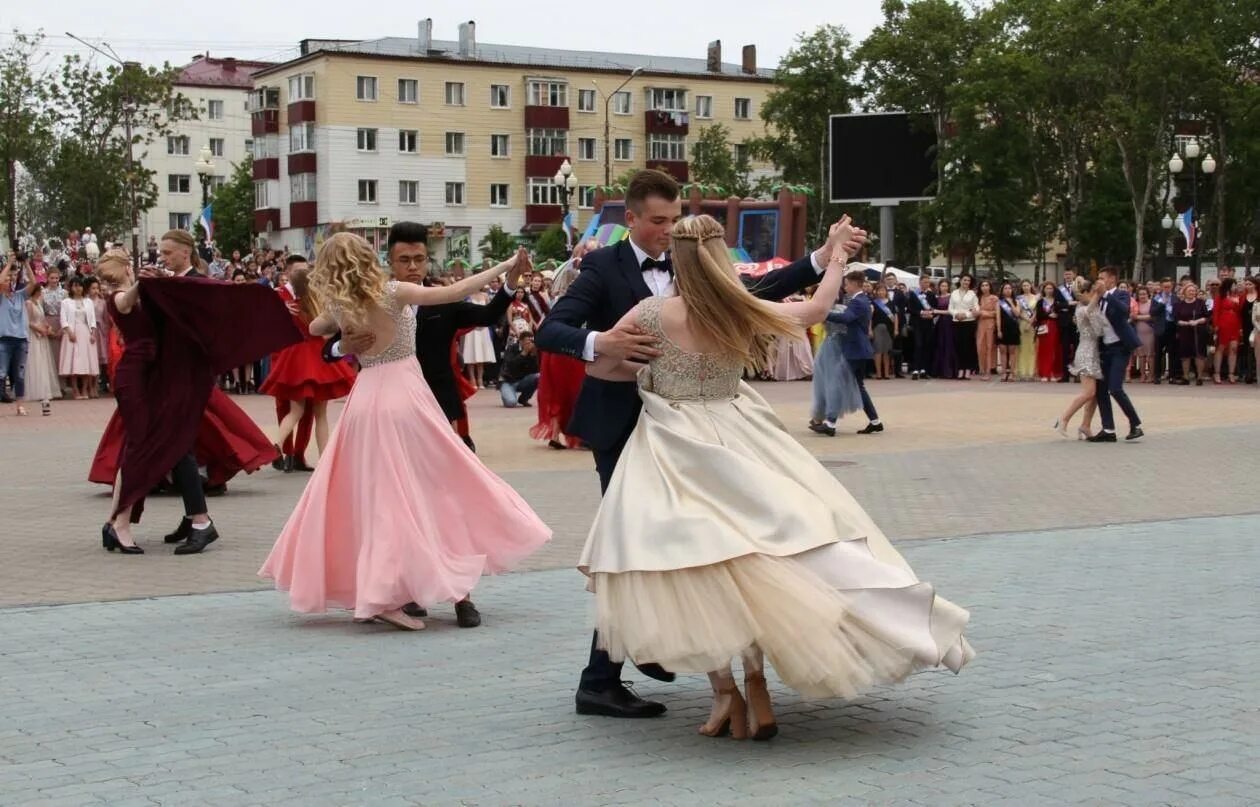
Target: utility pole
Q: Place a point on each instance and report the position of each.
(608, 123)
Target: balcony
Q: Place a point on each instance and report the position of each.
(546, 117)
(543, 166)
(301, 112)
(676, 168)
(267, 168)
(263, 98)
(265, 122)
(659, 121)
(301, 163)
(538, 217)
(266, 219)
(303, 214)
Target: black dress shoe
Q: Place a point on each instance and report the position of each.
(466, 614)
(1102, 437)
(619, 701)
(198, 541)
(653, 670)
(214, 490)
(182, 532)
(523, 401)
(414, 611)
(302, 466)
(1135, 434)
(822, 428)
(109, 540)
(872, 428)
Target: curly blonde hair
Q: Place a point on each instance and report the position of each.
(112, 267)
(347, 280)
(720, 310)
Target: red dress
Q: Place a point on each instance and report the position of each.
(1227, 320)
(559, 382)
(1049, 350)
(299, 372)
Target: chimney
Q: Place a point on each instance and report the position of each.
(715, 56)
(750, 60)
(229, 64)
(424, 41)
(468, 39)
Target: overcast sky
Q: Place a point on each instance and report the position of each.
(152, 31)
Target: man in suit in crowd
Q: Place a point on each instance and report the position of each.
(584, 324)
(1065, 305)
(1167, 333)
(897, 303)
(855, 342)
(1119, 340)
(920, 319)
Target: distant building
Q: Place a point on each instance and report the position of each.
(461, 136)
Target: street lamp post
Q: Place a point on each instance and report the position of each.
(567, 182)
(1175, 166)
(607, 123)
(205, 171)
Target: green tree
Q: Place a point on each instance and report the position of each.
(233, 209)
(497, 244)
(550, 245)
(25, 121)
(715, 162)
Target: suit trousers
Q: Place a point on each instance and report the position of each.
(1168, 352)
(923, 343)
(602, 673)
(868, 406)
(1115, 366)
(188, 480)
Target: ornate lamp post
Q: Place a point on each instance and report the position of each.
(567, 182)
(1175, 166)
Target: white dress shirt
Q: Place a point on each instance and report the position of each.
(1109, 333)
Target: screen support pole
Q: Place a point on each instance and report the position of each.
(887, 244)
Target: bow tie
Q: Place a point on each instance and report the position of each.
(652, 263)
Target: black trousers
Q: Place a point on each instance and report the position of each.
(923, 344)
(1167, 350)
(188, 480)
(1068, 338)
(602, 673)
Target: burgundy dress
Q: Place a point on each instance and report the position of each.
(183, 333)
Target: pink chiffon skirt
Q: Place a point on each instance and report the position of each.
(398, 509)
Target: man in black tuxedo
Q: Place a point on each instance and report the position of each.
(584, 324)
(436, 325)
(1065, 304)
(897, 304)
(919, 316)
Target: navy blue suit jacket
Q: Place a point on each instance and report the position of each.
(855, 342)
(1115, 308)
(610, 285)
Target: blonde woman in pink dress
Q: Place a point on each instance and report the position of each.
(399, 510)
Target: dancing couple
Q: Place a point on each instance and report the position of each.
(719, 535)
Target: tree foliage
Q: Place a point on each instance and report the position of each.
(25, 125)
(497, 244)
(715, 161)
(233, 207)
(550, 244)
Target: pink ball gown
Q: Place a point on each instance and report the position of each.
(398, 509)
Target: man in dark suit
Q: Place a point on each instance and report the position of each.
(855, 342)
(897, 304)
(585, 324)
(436, 325)
(919, 316)
(1118, 343)
(1065, 305)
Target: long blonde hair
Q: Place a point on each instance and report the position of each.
(347, 280)
(719, 309)
(112, 267)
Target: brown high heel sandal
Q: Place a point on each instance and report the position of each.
(761, 718)
(732, 720)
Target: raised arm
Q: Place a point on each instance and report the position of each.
(808, 312)
(412, 294)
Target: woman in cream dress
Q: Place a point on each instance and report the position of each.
(749, 547)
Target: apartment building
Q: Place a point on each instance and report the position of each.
(462, 136)
(219, 89)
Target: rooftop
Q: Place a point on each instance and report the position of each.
(212, 71)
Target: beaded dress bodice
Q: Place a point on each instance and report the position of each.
(680, 375)
(404, 317)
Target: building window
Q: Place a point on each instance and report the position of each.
(500, 96)
(249, 146)
(454, 93)
(301, 88)
(621, 103)
(177, 144)
(739, 152)
(365, 88)
(216, 147)
(455, 144)
(586, 148)
(586, 197)
(367, 191)
(543, 191)
(586, 100)
(262, 197)
(181, 221)
(669, 100)
(408, 141)
(548, 93)
(623, 149)
(301, 138)
(500, 145)
(302, 188)
(367, 140)
(268, 146)
(408, 191)
(547, 142)
(214, 110)
(668, 147)
(499, 195)
(408, 91)
(178, 183)
(217, 181)
(455, 193)
(743, 108)
(704, 106)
